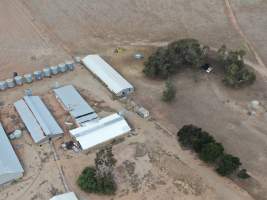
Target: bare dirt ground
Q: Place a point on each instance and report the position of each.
(37, 33)
(150, 165)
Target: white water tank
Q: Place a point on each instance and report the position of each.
(28, 78)
(38, 75)
(3, 85)
(54, 70)
(10, 83)
(18, 80)
(62, 68)
(47, 72)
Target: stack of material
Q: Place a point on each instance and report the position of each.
(72, 101)
(10, 167)
(37, 118)
(100, 131)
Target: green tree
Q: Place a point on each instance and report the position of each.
(228, 164)
(237, 76)
(211, 152)
(87, 180)
(202, 138)
(99, 179)
(187, 134)
(243, 174)
(169, 93)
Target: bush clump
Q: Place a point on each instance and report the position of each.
(208, 149)
(228, 164)
(169, 93)
(236, 72)
(167, 60)
(99, 179)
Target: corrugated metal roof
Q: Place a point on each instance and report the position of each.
(66, 196)
(30, 121)
(75, 104)
(9, 162)
(114, 81)
(100, 131)
(37, 119)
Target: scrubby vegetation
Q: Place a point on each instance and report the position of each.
(168, 60)
(169, 93)
(184, 53)
(99, 179)
(236, 73)
(209, 150)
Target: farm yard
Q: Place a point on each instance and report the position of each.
(150, 162)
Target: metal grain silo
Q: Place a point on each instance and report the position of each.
(10, 83)
(47, 72)
(62, 68)
(70, 65)
(54, 70)
(28, 78)
(37, 75)
(19, 80)
(3, 85)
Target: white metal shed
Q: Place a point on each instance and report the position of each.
(10, 167)
(66, 196)
(108, 75)
(100, 131)
(37, 119)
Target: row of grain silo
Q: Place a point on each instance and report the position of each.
(37, 75)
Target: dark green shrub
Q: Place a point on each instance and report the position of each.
(169, 93)
(167, 60)
(243, 174)
(99, 179)
(202, 138)
(87, 180)
(228, 164)
(237, 76)
(211, 152)
(187, 134)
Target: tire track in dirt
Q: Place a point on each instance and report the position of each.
(231, 15)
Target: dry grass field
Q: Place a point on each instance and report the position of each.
(151, 165)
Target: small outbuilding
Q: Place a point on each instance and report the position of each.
(10, 167)
(73, 102)
(66, 196)
(100, 131)
(108, 75)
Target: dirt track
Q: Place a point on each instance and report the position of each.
(37, 33)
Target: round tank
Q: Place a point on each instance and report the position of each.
(10, 83)
(37, 75)
(62, 67)
(28, 78)
(70, 65)
(54, 70)
(18, 80)
(3, 85)
(47, 72)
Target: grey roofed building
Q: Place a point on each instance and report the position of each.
(72, 101)
(10, 167)
(108, 75)
(37, 119)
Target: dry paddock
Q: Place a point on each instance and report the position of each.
(150, 165)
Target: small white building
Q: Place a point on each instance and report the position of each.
(66, 196)
(100, 131)
(108, 75)
(10, 167)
